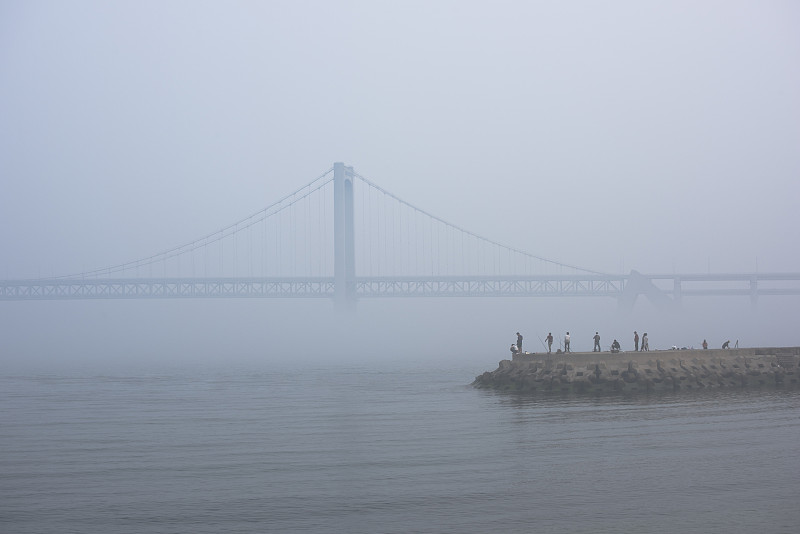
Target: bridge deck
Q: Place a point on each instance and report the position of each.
(751, 285)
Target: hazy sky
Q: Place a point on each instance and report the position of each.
(658, 136)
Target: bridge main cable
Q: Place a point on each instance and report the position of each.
(213, 237)
(472, 234)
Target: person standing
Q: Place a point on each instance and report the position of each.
(549, 342)
(596, 342)
(645, 342)
(635, 341)
(519, 342)
(705, 345)
(566, 343)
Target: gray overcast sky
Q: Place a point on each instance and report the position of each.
(660, 136)
(657, 136)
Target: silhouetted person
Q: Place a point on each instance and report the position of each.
(615, 346)
(549, 342)
(566, 343)
(645, 342)
(597, 343)
(705, 344)
(635, 341)
(727, 344)
(519, 342)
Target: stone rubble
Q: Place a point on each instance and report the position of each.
(668, 370)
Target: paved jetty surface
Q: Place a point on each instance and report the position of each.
(599, 372)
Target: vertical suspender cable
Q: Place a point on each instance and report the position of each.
(430, 244)
(293, 236)
(263, 244)
(394, 239)
(279, 243)
(385, 270)
(307, 231)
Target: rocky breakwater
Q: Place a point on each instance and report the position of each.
(668, 370)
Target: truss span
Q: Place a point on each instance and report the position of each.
(616, 286)
(503, 286)
(167, 288)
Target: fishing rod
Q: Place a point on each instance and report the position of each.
(542, 342)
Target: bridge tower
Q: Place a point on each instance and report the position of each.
(639, 284)
(344, 252)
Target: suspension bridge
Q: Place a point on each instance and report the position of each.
(343, 237)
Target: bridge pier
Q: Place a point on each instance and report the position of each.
(639, 284)
(344, 266)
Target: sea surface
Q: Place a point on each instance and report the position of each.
(386, 447)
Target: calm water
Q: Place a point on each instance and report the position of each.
(387, 448)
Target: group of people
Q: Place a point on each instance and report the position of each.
(615, 346)
(645, 341)
(517, 348)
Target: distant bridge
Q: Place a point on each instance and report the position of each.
(625, 288)
(304, 247)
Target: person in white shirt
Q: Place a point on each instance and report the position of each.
(566, 343)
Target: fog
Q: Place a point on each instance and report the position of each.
(661, 137)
